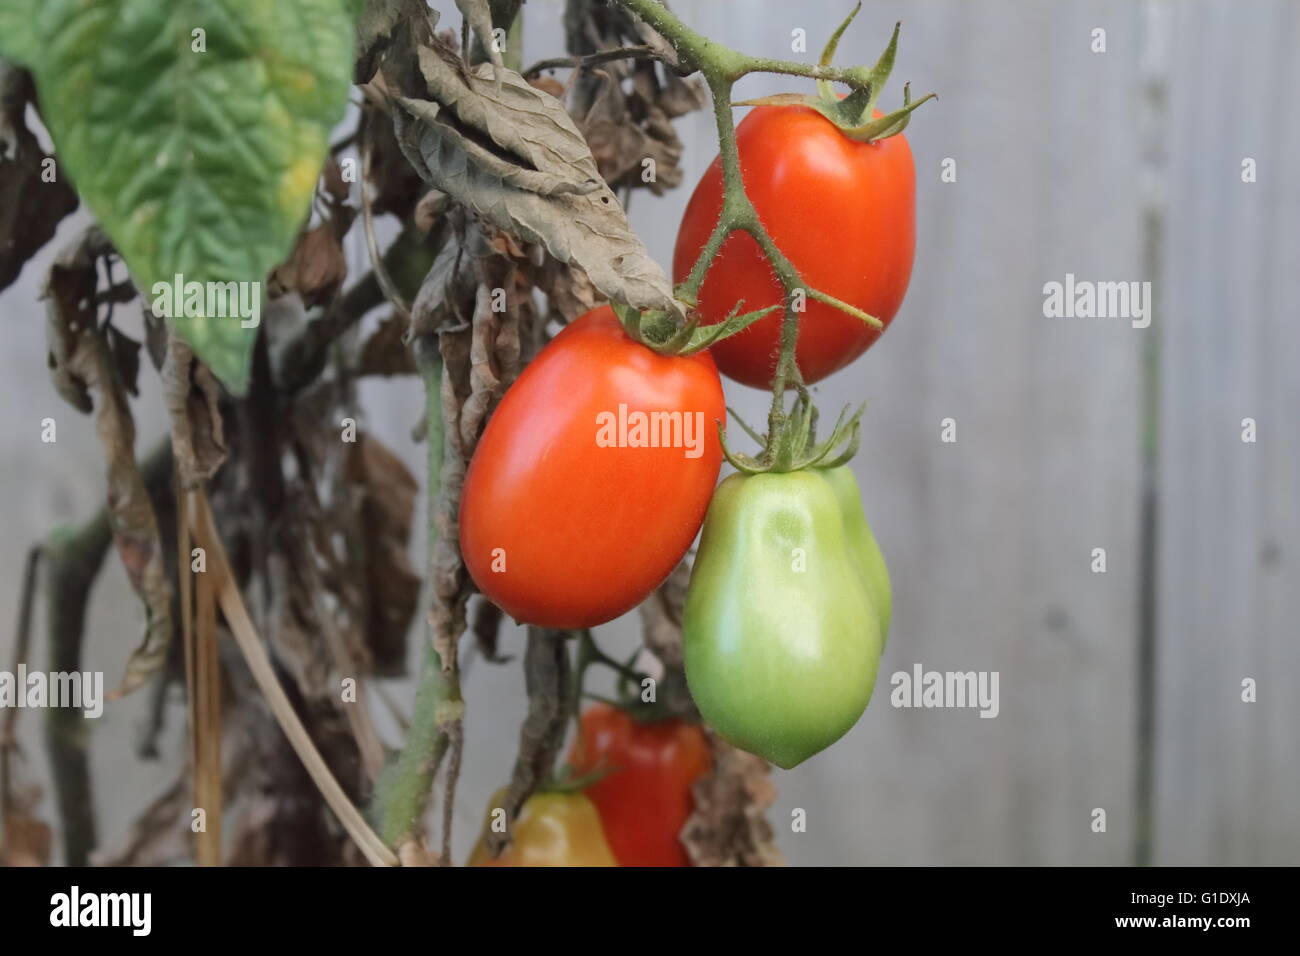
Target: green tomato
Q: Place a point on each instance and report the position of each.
(780, 636)
(863, 543)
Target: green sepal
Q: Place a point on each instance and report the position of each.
(794, 447)
(828, 52)
(659, 332)
(853, 115)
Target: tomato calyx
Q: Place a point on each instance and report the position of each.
(854, 114)
(792, 444)
(662, 333)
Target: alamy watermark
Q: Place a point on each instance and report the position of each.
(211, 300)
(637, 429)
(1085, 299)
(133, 911)
(949, 689)
(37, 689)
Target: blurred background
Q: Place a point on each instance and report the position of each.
(1119, 690)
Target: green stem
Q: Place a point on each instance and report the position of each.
(403, 792)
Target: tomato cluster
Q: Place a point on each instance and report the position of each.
(599, 467)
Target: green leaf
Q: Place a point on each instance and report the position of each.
(199, 163)
(17, 35)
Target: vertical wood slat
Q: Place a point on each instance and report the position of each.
(1228, 772)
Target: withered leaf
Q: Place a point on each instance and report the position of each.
(627, 130)
(384, 492)
(451, 280)
(375, 28)
(81, 362)
(192, 395)
(479, 17)
(30, 207)
(395, 187)
(25, 840)
(386, 351)
(729, 824)
(430, 207)
(160, 834)
(626, 107)
(515, 157)
(126, 356)
(317, 267)
(297, 636)
(569, 292)
(332, 183)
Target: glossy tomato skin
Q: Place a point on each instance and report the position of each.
(563, 523)
(842, 211)
(552, 829)
(780, 636)
(645, 799)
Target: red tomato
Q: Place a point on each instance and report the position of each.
(567, 518)
(645, 801)
(842, 211)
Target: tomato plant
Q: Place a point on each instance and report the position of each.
(842, 211)
(592, 477)
(644, 799)
(505, 188)
(552, 829)
(781, 639)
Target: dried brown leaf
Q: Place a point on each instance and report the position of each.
(385, 352)
(27, 841)
(192, 396)
(296, 632)
(160, 835)
(377, 25)
(729, 824)
(626, 107)
(569, 291)
(333, 184)
(126, 357)
(81, 362)
(448, 286)
(395, 187)
(317, 266)
(479, 17)
(383, 493)
(30, 206)
(430, 208)
(515, 157)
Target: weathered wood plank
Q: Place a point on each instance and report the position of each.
(1228, 772)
